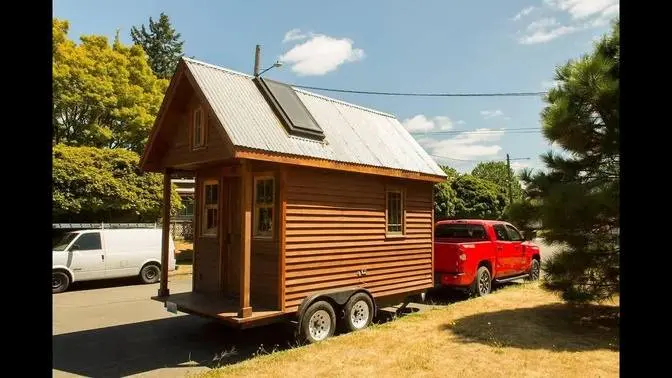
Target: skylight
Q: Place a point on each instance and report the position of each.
(290, 109)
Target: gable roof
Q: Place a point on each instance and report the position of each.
(353, 134)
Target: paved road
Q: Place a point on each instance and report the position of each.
(113, 329)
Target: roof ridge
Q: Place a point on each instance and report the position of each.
(295, 88)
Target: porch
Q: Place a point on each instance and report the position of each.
(220, 308)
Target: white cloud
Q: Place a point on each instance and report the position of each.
(544, 30)
(471, 145)
(321, 54)
(517, 165)
(461, 122)
(524, 12)
(582, 14)
(294, 35)
(421, 123)
(487, 114)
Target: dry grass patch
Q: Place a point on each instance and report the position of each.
(517, 331)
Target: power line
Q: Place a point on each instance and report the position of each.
(419, 94)
(477, 161)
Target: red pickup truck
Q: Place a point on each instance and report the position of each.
(472, 254)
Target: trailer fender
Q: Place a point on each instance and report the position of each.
(336, 297)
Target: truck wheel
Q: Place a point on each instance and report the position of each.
(358, 312)
(482, 283)
(59, 282)
(150, 273)
(318, 322)
(535, 269)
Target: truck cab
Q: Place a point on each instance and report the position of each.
(474, 254)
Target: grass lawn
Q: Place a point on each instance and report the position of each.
(517, 331)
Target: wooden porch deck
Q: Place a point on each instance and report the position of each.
(221, 308)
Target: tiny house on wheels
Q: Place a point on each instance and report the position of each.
(307, 208)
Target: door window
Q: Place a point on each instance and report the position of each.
(88, 242)
(514, 235)
(500, 232)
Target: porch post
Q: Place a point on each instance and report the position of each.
(165, 234)
(245, 238)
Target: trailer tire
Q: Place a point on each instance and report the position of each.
(358, 312)
(318, 322)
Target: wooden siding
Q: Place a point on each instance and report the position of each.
(335, 227)
(179, 152)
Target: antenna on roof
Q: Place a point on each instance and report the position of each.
(257, 60)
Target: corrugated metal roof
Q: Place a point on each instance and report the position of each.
(353, 134)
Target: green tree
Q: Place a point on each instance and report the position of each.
(478, 198)
(103, 96)
(444, 195)
(576, 198)
(101, 184)
(496, 172)
(161, 43)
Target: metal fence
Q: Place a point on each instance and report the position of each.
(180, 229)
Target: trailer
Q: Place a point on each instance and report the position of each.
(307, 208)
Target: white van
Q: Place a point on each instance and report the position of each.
(97, 254)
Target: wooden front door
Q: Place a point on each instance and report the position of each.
(230, 256)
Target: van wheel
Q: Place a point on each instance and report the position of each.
(318, 322)
(59, 282)
(358, 312)
(482, 283)
(150, 273)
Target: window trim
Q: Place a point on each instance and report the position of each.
(395, 234)
(204, 128)
(205, 207)
(255, 218)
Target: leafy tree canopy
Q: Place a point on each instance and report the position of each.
(100, 184)
(162, 45)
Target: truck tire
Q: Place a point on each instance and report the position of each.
(482, 283)
(150, 273)
(358, 312)
(59, 281)
(318, 322)
(535, 269)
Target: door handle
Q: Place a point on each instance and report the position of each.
(102, 257)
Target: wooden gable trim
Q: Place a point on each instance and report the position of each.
(246, 153)
(210, 112)
(165, 104)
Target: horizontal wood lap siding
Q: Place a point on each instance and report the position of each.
(335, 226)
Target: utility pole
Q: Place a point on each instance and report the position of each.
(257, 60)
(508, 172)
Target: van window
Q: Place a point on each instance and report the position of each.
(470, 232)
(63, 243)
(89, 241)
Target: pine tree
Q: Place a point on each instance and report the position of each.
(576, 198)
(162, 45)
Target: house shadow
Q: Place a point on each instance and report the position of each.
(180, 341)
(556, 327)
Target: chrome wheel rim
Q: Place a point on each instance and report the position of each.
(319, 325)
(484, 283)
(359, 315)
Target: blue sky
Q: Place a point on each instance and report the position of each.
(407, 46)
